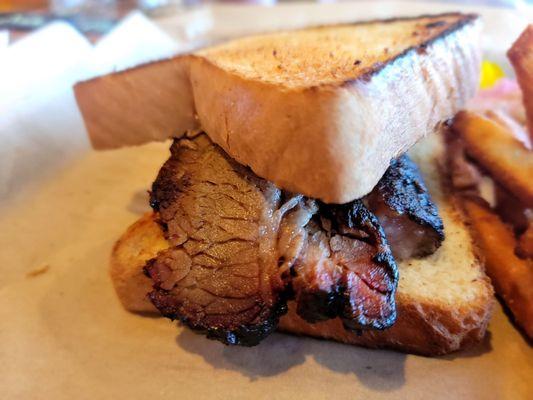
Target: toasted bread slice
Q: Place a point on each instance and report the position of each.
(318, 111)
(444, 301)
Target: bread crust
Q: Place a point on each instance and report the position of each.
(141, 242)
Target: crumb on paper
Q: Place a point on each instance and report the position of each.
(43, 269)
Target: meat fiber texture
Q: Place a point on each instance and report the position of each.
(240, 246)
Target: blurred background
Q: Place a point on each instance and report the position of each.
(95, 18)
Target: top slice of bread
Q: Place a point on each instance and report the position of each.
(319, 111)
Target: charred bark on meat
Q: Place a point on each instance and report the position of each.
(220, 275)
(404, 208)
(348, 270)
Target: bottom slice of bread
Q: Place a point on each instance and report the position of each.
(444, 301)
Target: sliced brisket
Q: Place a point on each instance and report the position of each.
(221, 274)
(347, 269)
(240, 247)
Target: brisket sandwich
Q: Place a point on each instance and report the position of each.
(294, 197)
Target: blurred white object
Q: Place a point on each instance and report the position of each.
(41, 129)
(148, 5)
(516, 4)
(4, 39)
(39, 58)
(134, 40)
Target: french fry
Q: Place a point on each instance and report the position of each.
(511, 276)
(497, 151)
(521, 56)
(525, 243)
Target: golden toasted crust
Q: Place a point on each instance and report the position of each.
(326, 125)
(331, 55)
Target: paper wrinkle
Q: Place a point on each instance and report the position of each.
(64, 334)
